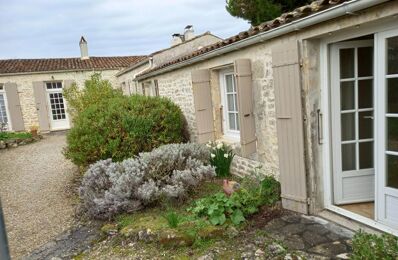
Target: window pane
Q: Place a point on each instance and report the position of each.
(347, 63)
(366, 155)
(231, 102)
(365, 93)
(347, 96)
(392, 95)
(392, 134)
(237, 121)
(365, 61)
(365, 124)
(231, 120)
(348, 126)
(392, 55)
(348, 157)
(392, 171)
(228, 81)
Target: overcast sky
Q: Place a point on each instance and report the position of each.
(52, 28)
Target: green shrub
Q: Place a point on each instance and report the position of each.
(373, 247)
(173, 219)
(95, 91)
(14, 135)
(221, 158)
(120, 127)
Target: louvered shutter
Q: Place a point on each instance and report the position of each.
(203, 105)
(14, 107)
(287, 84)
(243, 80)
(41, 105)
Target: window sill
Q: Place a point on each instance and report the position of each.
(230, 140)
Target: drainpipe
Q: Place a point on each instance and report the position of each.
(346, 8)
(4, 252)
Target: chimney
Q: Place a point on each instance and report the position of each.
(188, 32)
(176, 39)
(83, 49)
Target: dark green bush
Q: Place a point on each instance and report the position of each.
(120, 127)
(372, 247)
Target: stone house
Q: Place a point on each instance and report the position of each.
(181, 44)
(311, 97)
(31, 89)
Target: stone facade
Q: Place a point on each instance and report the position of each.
(25, 88)
(177, 86)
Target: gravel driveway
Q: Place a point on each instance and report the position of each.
(33, 190)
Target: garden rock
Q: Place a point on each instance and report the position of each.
(232, 232)
(172, 238)
(109, 229)
(211, 232)
(275, 249)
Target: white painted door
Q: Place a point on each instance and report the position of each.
(387, 130)
(352, 108)
(57, 107)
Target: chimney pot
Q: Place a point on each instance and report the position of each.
(176, 39)
(83, 49)
(188, 33)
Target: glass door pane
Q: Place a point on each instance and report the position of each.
(392, 113)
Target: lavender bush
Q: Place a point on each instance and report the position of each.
(169, 171)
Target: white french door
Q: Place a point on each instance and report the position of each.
(57, 107)
(387, 130)
(352, 81)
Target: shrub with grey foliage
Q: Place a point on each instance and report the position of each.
(109, 188)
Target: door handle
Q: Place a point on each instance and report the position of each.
(320, 126)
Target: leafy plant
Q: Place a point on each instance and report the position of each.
(14, 135)
(219, 208)
(221, 157)
(110, 125)
(168, 172)
(372, 247)
(173, 219)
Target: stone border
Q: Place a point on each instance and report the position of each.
(15, 142)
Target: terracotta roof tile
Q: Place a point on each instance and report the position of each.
(285, 18)
(59, 64)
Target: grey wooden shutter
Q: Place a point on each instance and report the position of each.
(203, 105)
(287, 84)
(243, 81)
(14, 107)
(41, 105)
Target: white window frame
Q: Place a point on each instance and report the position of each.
(227, 132)
(3, 92)
(375, 28)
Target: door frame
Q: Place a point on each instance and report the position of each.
(377, 27)
(49, 110)
(336, 125)
(381, 122)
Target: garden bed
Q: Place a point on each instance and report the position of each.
(15, 139)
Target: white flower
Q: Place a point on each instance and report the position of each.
(219, 145)
(212, 155)
(226, 155)
(233, 147)
(208, 145)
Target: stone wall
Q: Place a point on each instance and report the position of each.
(177, 86)
(25, 88)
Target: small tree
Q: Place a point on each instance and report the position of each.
(95, 91)
(259, 11)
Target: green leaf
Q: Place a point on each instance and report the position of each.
(237, 217)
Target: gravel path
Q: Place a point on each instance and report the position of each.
(33, 190)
